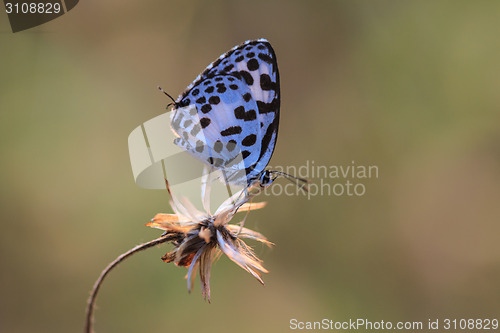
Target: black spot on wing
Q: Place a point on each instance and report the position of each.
(250, 169)
(268, 107)
(221, 89)
(247, 77)
(231, 131)
(265, 57)
(249, 140)
(228, 68)
(236, 75)
(216, 63)
(214, 100)
(266, 83)
(253, 64)
(205, 122)
(240, 113)
(272, 130)
(206, 108)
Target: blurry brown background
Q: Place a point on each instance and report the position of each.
(412, 87)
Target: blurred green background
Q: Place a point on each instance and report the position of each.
(412, 87)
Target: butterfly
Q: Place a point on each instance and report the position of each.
(228, 117)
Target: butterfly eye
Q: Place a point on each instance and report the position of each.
(265, 179)
(184, 103)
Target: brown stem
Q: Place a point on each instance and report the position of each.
(90, 303)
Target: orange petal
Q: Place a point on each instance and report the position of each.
(165, 218)
(252, 206)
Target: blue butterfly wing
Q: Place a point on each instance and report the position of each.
(226, 141)
(237, 99)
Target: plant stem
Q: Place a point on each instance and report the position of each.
(90, 303)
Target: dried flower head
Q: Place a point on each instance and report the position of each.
(200, 237)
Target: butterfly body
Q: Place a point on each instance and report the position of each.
(229, 116)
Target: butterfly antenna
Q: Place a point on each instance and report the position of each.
(173, 100)
(301, 183)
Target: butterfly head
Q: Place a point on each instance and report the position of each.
(174, 103)
(266, 179)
